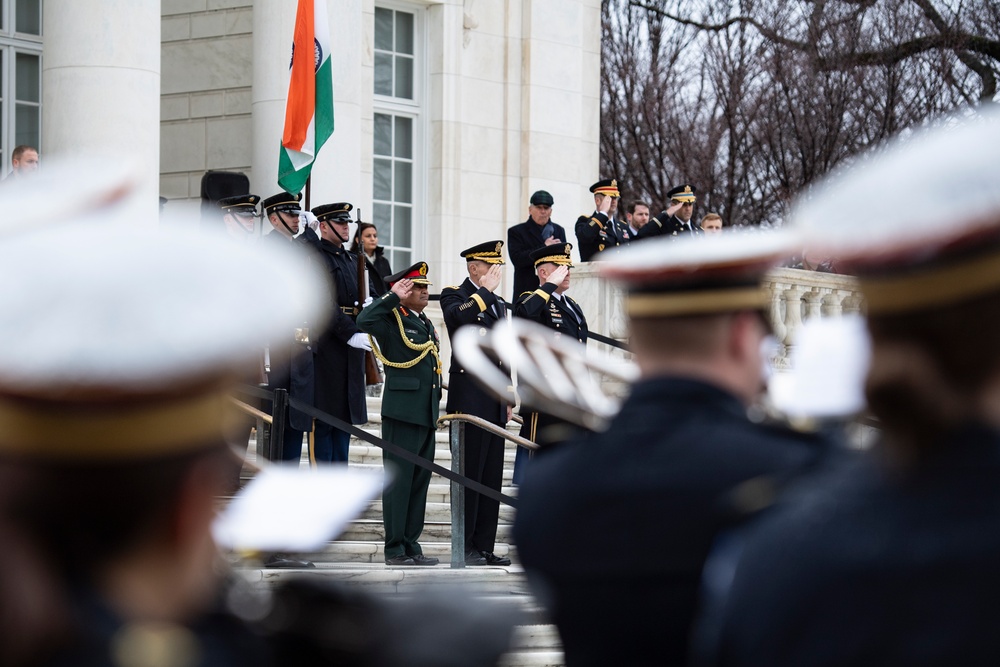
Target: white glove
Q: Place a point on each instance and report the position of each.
(367, 303)
(310, 220)
(360, 341)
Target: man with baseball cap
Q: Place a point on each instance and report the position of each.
(523, 238)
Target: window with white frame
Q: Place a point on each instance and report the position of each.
(397, 164)
(20, 76)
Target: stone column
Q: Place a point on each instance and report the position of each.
(273, 24)
(101, 84)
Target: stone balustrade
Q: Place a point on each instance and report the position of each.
(796, 295)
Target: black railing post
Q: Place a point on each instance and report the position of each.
(279, 415)
(457, 436)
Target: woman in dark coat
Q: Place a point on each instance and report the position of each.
(366, 240)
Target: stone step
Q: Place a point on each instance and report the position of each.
(435, 512)
(367, 530)
(343, 551)
(381, 578)
(363, 453)
(534, 646)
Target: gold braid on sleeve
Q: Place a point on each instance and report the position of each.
(430, 347)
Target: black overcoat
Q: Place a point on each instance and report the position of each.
(521, 240)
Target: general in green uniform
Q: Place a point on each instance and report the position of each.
(410, 403)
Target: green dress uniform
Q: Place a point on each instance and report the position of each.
(410, 406)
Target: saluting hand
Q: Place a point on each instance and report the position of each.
(605, 205)
(558, 275)
(491, 279)
(402, 288)
(674, 207)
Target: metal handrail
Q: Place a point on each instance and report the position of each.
(456, 423)
(487, 426)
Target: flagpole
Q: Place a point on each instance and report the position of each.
(309, 179)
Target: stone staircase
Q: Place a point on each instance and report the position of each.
(356, 557)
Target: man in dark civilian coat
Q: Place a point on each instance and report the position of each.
(536, 231)
(408, 347)
(294, 370)
(676, 220)
(340, 354)
(660, 482)
(600, 230)
(476, 303)
(550, 306)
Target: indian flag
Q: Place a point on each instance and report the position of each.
(309, 109)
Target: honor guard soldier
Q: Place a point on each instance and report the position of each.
(676, 220)
(115, 384)
(239, 215)
(656, 481)
(601, 230)
(411, 397)
(536, 231)
(892, 560)
(476, 303)
(550, 306)
(340, 353)
(291, 369)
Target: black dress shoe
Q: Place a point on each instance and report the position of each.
(473, 557)
(492, 559)
(285, 562)
(402, 559)
(420, 559)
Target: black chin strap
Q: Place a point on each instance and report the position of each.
(335, 232)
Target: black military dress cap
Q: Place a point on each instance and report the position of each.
(607, 186)
(682, 193)
(417, 273)
(490, 252)
(282, 201)
(339, 212)
(246, 204)
(917, 250)
(557, 253)
(542, 198)
(668, 277)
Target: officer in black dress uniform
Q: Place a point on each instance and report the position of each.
(601, 230)
(340, 353)
(892, 560)
(475, 303)
(657, 483)
(291, 369)
(550, 306)
(676, 220)
(533, 233)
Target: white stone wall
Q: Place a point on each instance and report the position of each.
(207, 72)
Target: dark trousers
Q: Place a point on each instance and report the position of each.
(483, 463)
(404, 502)
(330, 444)
(291, 446)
